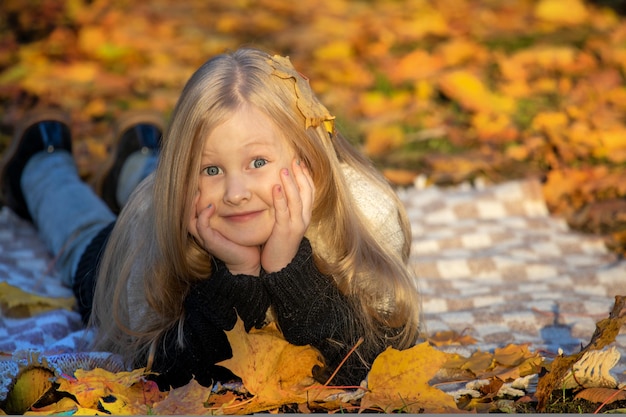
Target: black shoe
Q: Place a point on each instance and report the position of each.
(139, 131)
(41, 130)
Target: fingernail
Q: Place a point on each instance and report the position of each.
(286, 172)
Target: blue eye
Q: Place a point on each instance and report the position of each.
(212, 170)
(259, 162)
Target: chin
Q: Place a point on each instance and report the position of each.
(249, 240)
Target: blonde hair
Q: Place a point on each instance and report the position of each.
(151, 257)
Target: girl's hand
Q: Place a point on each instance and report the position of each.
(293, 205)
(238, 259)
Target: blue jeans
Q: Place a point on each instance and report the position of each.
(66, 212)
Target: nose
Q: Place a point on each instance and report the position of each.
(237, 190)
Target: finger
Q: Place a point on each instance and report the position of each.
(292, 193)
(193, 217)
(305, 185)
(203, 222)
(281, 209)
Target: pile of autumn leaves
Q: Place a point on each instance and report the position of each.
(277, 376)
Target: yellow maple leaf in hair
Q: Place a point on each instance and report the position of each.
(314, 112)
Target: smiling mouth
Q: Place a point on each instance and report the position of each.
(242, 217)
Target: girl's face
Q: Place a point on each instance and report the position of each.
(241, 161)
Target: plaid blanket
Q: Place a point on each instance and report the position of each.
(490, 261)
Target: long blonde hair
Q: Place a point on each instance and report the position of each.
(151, 259)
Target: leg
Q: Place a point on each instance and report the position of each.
(65, 210)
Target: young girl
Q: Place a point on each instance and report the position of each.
(260, 209)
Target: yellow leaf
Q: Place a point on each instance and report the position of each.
(18, 303)
(126, 390)
(457, 51)
(314, 112)
(30, 384)
(273, 370)
(569, 12)
(470, 92)
(494, 127)
(382, 139)
(612, 145)
(188, 399)
(550, 121)
(65, 406)
(399, 380)
(336, 50)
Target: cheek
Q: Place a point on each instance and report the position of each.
(207, 194)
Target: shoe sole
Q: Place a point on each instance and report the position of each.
(122, 124)
(30, 118)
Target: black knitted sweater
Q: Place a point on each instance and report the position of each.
(308, 307)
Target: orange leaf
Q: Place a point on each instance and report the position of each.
(399, 380)
(414, 66)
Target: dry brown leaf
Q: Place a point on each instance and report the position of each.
(399, 380)
(479, 362)
(602, 395)
(451, 337)
(513, 355)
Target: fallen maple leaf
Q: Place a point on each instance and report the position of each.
(399, 381)
(273, 370)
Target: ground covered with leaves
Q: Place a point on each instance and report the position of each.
(435, 92)
(278, 377)
(440, 90)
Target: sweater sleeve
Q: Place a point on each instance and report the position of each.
(211, 307)
(310, 309)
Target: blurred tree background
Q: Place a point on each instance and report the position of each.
(434, 91)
